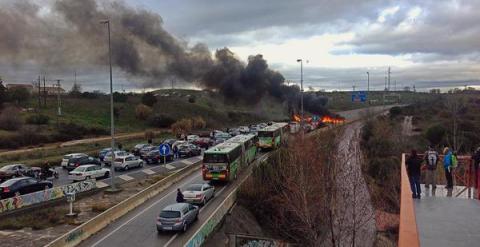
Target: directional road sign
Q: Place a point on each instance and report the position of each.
(164, 149)
(359, 96)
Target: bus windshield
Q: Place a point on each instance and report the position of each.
(265, 134)
(215, 158)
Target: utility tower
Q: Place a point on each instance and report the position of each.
(388, 72)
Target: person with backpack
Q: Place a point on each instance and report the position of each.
(447, 165)
(431, 159)
(414, 164)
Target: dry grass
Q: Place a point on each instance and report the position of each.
(37, 220)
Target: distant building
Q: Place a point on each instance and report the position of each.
(11, 86)
(52, 90)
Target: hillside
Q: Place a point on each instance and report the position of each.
(88, 115)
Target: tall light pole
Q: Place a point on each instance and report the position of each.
(301, 95)
(368, 81)
(112, 124)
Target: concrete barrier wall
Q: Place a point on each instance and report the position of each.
(18, 202)
(94, 225)
(209, 226)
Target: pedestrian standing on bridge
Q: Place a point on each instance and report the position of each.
(414, 164)
(447, 164)
(431, 158)
(476, 164)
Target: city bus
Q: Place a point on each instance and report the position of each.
(272, 136)
(222, 162)
(249, 147)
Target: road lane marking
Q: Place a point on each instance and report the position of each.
(176, 234)
(141, 212)
(148, 171)
(101, 184)
(187, 162)
(170, 167)
(125, 177)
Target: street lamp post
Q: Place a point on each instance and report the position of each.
(112, 124)
(368, 81)
(301, 96)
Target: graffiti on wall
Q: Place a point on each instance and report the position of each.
(45, 195)
(200, 236)
(243, 241)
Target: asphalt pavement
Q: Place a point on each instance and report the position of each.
(138, 228)
(133, 173)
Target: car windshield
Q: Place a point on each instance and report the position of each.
(170, 214)
(265, 134)
(195, 187)
(6, 168)
(9, 182)
(215, 158)
(80, 169)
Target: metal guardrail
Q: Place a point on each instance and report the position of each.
(408, 232)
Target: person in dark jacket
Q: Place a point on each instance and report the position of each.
(414, 163)
(476, 164)
(179, 196)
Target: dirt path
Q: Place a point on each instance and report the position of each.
(74, 142)
(355, 217)
(407, 126)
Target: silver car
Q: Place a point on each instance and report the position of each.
(177, 217)
(198, 193)
(127, 162)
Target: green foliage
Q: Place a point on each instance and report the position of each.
(120, 97)
(160, 121)
(10, 119)
(18, 95)
(149, 99)
(37, 119)
(395, 111)
(435, 134)
(3, 93)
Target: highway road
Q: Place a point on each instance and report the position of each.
(137, 228)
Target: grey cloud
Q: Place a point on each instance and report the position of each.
(442, 29)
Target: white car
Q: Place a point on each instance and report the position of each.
(88, 172)
(191, 138)
(67, 157)
(127, 162)
(198, 193)
(244, 129)
(108, 157)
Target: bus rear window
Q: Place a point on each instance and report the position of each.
(265, 134)
(215, 158)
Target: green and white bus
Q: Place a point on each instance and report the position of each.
(249, 147)
(222, 162)
(272, 136)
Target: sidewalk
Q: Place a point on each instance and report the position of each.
(447, 218)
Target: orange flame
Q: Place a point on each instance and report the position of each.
(334, 120)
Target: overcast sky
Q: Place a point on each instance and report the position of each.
(427, 43)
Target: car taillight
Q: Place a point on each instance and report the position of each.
(6, 189)
(77, 164)
(158, 156)
(179, 220)
(198, 196)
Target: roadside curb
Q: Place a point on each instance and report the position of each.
(94, 225)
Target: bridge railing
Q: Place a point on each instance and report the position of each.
(408, 231)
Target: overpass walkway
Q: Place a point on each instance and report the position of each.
(443, 218)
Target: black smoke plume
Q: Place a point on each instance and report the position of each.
(69, 33)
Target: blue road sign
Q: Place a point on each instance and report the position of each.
(360, 96)
(164, 149)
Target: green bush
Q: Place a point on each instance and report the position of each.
(149, 99)
(37, 119)
(10, 119)
(160, 121)
(435, 134)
